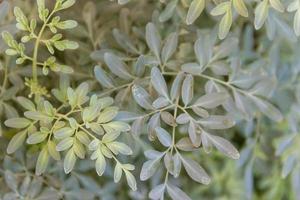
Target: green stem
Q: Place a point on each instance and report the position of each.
(36, 48)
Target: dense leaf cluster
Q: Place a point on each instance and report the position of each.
(134, 99)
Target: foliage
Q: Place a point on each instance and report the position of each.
(150, 95)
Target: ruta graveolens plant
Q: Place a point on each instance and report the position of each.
(157, 92)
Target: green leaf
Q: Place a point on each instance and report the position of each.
(17, 122)
(225, 24)
(157, 192)
(36, 115)
(168, 12)
(102, 77)
(176, 193)
(26, 103)
(16, 142)
(117, 66)
(69, 161)
(195, 171)
(195, 10)
(52, 150)
(141, 97)
(240, 7)
(65, 44)
(153, 40)
(118, 173)
(261, 13)
(68, 24)
(118, 147)
(276, 4)
(163, 136)
(187, 90)
(169, 47)
(130, 180)
(65, 144)
(36, 138)
(211, 100)
(267, 108)
(42, 161)
(159, 82)
(224, 146)
(100, 164)
(108, 114)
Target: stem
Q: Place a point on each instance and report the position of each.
(227, 84)
(36, 48)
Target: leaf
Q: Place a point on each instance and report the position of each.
(11, 180)
(195, 10)
(157, 192)
(195, 171)
(163, 136)
(183, 118)
(16, 142)
(211, 100)
(158, 82)
(36, 138)
(65, 144)
(220, 9)
(68, 4)
(169, 47)
(268, 109)
(160, 102)
(148, 169)
(108, 114)
(176, 86)
(65, 44)
(261, 13)
(100, 164)
(124, 41)
(217, 122)
(142, 97)
(225, 24)
(192, 68)
(117, 173)
(193, 134)
(297, 22)
(177, 164)
(203, 51)
(240, 7)
(117, 66)
(69, 161)
(63, 133)
(118, 147)
(276, 4)
(140, 66)
(36, 115)
(168, 12)
(187, 90)
(176, 193)
(130, 180)
(224, 146)
(68, 24)
(4, 9)
(26, 103)
(288, 166)
(153, 39)
(168, 118)
(17, 122)
(185, 144)
(42, 162)
(102, 77)
(52, 150)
